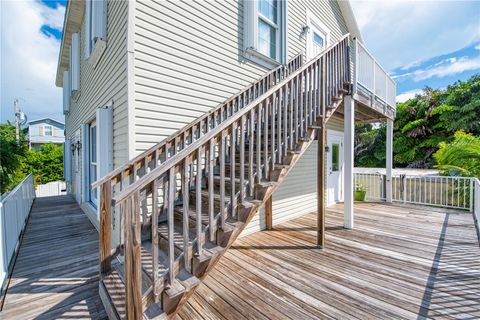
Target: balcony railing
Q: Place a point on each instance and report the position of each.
(372, 78)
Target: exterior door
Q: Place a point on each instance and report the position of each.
(317, 37)
(334, 167)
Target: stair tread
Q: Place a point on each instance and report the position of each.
(115, 286)
(177, 234)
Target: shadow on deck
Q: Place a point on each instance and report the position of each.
(398, 262)
(56, 272)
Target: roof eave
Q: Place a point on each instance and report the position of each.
(350, 20)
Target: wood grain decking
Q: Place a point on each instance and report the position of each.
(56, 272)
(397, 263)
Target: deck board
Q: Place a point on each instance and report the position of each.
(56, 272)
(398, 262)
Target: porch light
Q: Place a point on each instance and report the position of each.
(327, 149)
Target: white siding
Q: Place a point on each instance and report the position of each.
(298, 193)
(107, 82)
(188, 59)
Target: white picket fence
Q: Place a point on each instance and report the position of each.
(14, 210)
(476, 204)
(55, 188)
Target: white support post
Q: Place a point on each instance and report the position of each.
(349, 131)
(389, 160)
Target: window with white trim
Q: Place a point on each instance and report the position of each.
(265, 38)
(48, 131)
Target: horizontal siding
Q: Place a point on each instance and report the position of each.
(296, 195)
(328, 12)
(187, 61)
(107, 82)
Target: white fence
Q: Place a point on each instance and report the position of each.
(374, 184)
(55, 188)
(439, 191)
(371, 76)
(14, 210)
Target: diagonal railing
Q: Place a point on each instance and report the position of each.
(232, 150)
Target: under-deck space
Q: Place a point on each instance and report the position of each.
(398, 262)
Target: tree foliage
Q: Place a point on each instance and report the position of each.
(461, 156)
(422, 123)
(11, 155)
(16, 161)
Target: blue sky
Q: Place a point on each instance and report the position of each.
(422, 43)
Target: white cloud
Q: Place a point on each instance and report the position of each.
(29, 58)
(408, 95)
(400, 33)
(448, 67)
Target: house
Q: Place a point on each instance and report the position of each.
(239, 112)
(45, 130)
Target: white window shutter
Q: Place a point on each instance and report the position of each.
(88, 30)
(85, 163)
(104, 140)
(67, 161)
(66, 92)
(99, 19)
(75, 62)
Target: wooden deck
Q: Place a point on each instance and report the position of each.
(397, 263)
(56, 272)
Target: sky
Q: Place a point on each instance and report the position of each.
(421, 43)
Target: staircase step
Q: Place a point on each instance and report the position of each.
(177, 293)
(204, 262)
(177, 238)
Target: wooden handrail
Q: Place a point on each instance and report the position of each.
(293, 64)
(197, 193)
(178, 157)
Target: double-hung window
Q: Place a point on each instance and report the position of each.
(48, 131)
(265, 31)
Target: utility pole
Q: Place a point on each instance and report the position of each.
(17, 120)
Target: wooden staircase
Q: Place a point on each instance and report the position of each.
(170, 213)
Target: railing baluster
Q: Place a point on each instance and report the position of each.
(156, 292)
(233, 197)
(296, 128)
(279, 125)
(251, 145)
(285, 120)
(265, 138)
(259, 143)
(186, 211)
(198, 195)
(211, 205)
(242, 159)
(222, 179)
(171, 236)
(272, 129)
(291, 114)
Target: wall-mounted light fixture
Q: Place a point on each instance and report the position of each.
(327, 149)
(305, 30)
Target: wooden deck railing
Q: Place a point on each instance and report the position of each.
(233, 149)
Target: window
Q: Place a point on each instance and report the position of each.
(92, 151)
(335, 157)
(48, 131)
(317, 36)
(95, 24)
(66, 92)
(265, 31)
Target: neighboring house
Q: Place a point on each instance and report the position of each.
(45, 130)
(136, 72)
